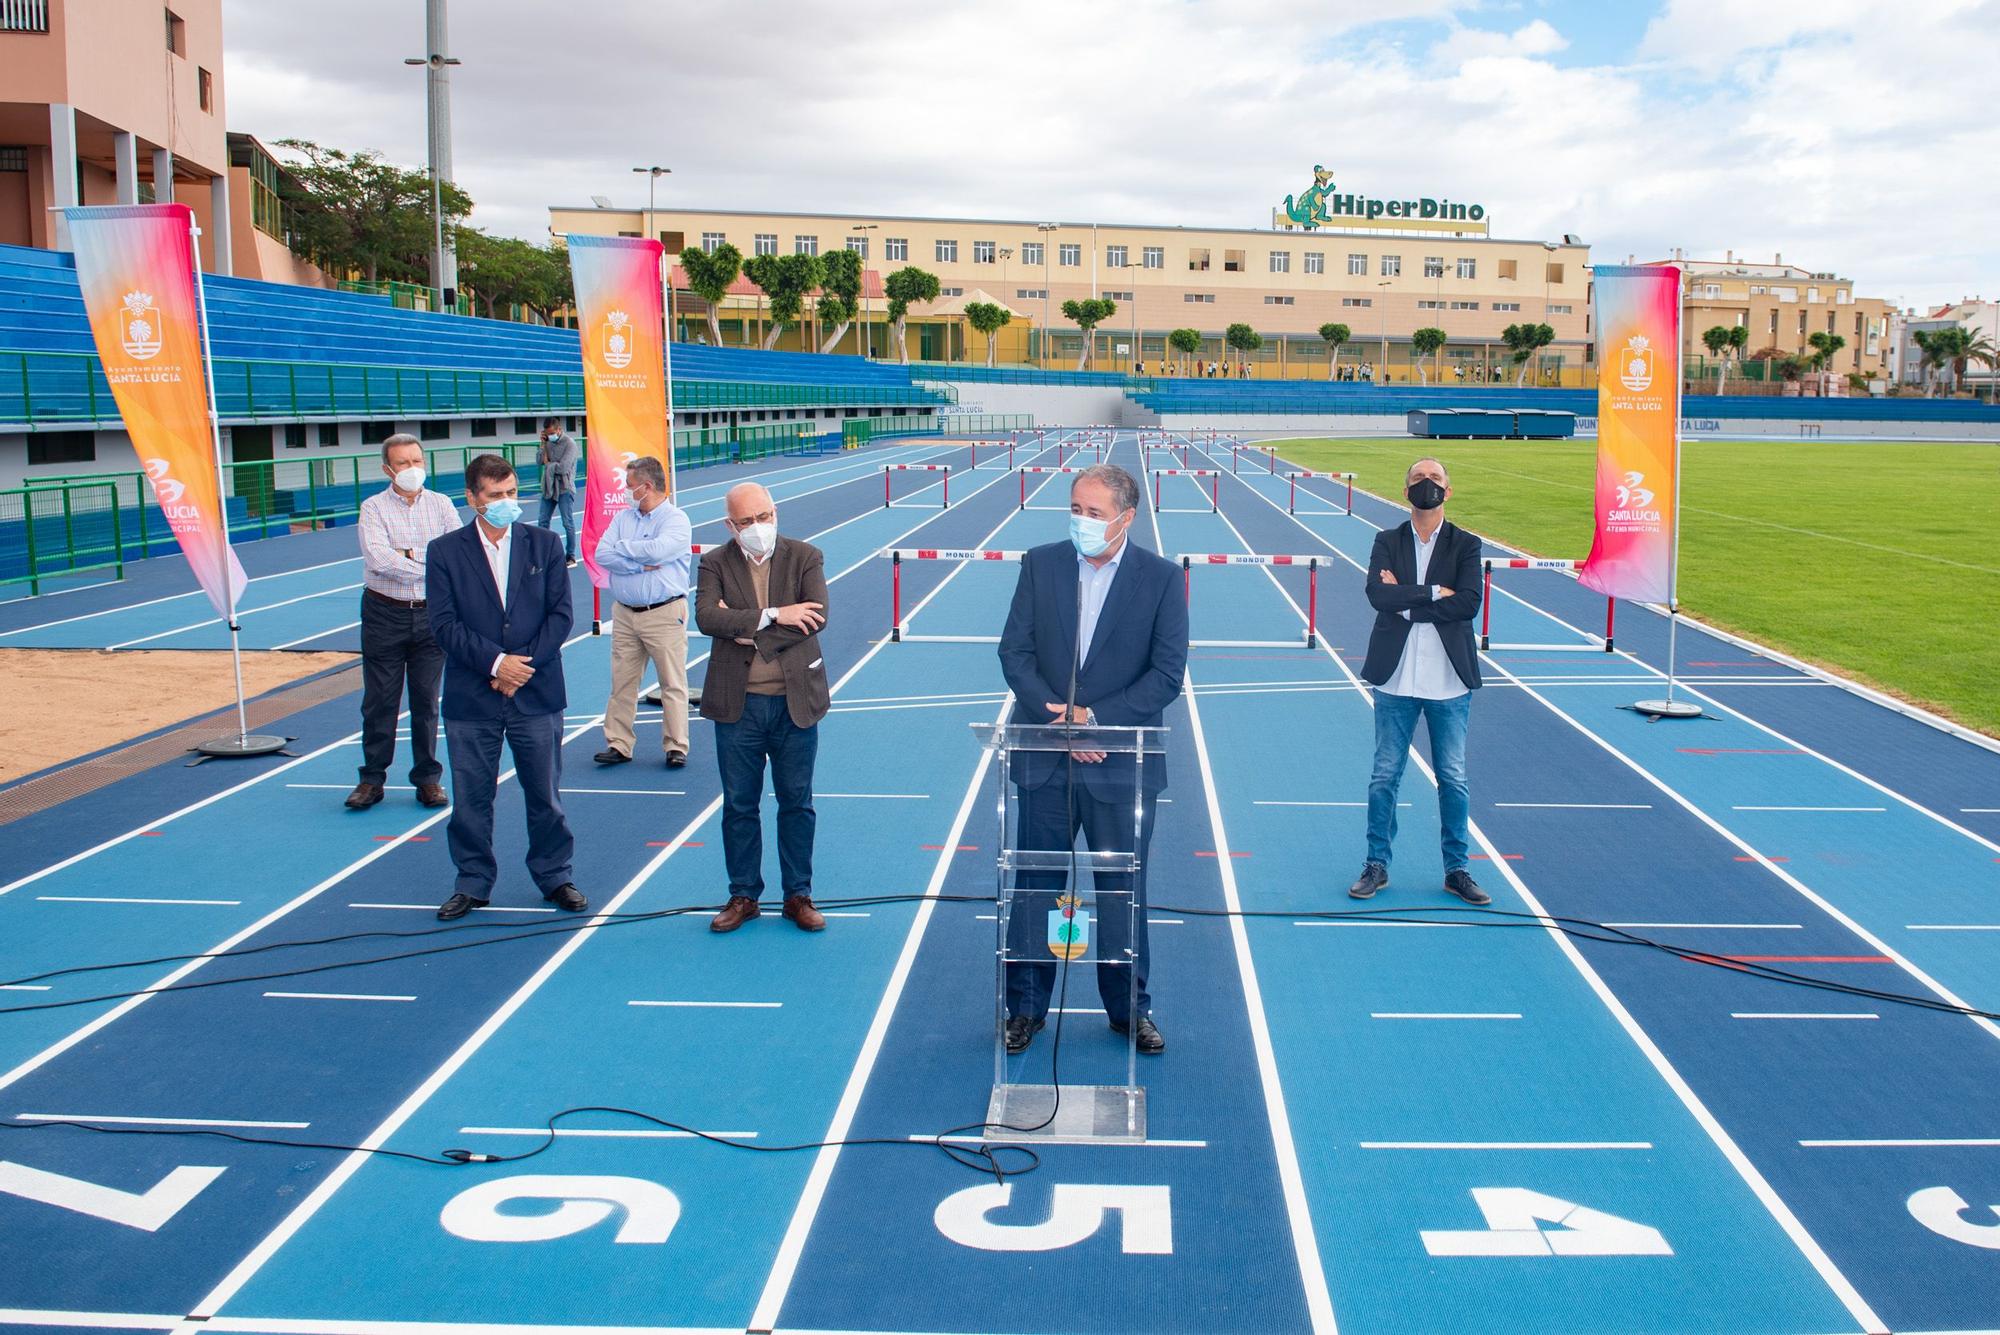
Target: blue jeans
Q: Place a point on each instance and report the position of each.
(1395, 722)
(567, 503)
(766, 731)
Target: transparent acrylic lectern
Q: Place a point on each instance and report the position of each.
(1044, 919)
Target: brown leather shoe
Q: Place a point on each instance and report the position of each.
(799, 908)
(432, 795)
(739, 910)
(364, 796)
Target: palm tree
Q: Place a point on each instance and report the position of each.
(1980, 348)
(1716, 339)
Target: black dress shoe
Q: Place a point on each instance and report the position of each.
(611, 755)
(676, 759)
(458, 906)
(1460, 883)
(1021, 1031)
(432, 795)
(567, 898)
(1151, 1041)
(364, 796)
(1374, 876)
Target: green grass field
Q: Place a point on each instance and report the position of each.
(1878, 561)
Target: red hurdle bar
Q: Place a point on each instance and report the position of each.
(1311, 562)
(1214, 476)
(1537, 563)
(887, 469)
(1270, 453)
(975, 444)
(1292, 499)
(1037, 468)
(897, 556)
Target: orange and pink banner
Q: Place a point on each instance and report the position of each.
(1638, 432)
(618, 313)
(135, 266)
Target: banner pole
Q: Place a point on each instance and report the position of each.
(243, 743)
(1670, 707)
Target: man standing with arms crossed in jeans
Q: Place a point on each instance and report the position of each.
(1423, 581)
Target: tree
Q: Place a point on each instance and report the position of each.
(1524, 341)
(787, 280)
(1186, 342)
(500, 271)
(989, 319)
(839, 293)
(1716, 339)
(710, 274)
(354, 213)
(1823, 348)
(1086, 315)
(908, 284)
(1242, 338)
(1424, 343)
(1333, 335)
(1979, 348)
(1943, 348)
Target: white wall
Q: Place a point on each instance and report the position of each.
(1059, 405)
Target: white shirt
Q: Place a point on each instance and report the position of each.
(391, 526)
(1095, 581)
(1424, 672)
(498, 554)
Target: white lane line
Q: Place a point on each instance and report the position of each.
(36, 1316)
(1579, 806)
(1718, 926)
(1953, 927)
(1803, 1015)
(1741, 808)
(160, 1121)
(432, 908)
(629, 792)
(1808, 1246)
(131, 899)
(829, 913)
(345, 787)
(905, 797)
(24, 987)
(1375, 922)
(1980, 811)
(1067, 1140)
(337, 996)
(600, 1133)
(316, 635)
(1276, 802)
(1942, 1142)
(1166, 922)
(1506, 1144)
(240, 614)
(724, 1005)
(171, 597)
(1444, 1015)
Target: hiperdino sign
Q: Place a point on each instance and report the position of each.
(1322, 206)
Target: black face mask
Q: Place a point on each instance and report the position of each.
(1426, 494)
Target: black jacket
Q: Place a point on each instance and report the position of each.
(1454, 566)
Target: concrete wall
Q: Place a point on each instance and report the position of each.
(1064, 405)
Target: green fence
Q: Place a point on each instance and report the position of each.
(861, 430)
(59, 531)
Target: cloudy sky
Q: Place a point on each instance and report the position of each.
(1848, 136)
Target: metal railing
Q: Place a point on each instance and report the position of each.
(861, 430)
(62, 531)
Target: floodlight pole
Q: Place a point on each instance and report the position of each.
(437, 105)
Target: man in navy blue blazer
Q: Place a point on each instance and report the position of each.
(1127, 608)
(500, 610)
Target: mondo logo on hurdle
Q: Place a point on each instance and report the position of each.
(898, 555)
(890, 470)
(1192, 561)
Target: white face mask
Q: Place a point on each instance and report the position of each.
(760, 540)
(410, 480)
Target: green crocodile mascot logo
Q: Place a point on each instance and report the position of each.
(1310, 210)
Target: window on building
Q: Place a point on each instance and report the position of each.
(1357, 264)
(710, 240)
(1802, 324)
(673, 242)
(951, 291)
(1315, 261)
(329, 435)
(1465, 305)
(1235, 261)
(1433, 266)
(1357, 301)
(1774, 323)
(1392, 266)
(1425, 304)
(1560, 309)
(61, 447)
(1829, 322)
(295, 435)
(623, 233)
(1031, 293)
(13, 158)
(205, 84)
(1207, 298)
(484, 428)
(1117, 296)
(896, 248)
(1812, 294)
(1031, 252)
(1281, 261)
(805, 245)
(1154, 257)
(1115, 257)
(374, 433)
(1553, 273)
(1198, 260)
(1468, 268)
(1069, 255)
(435, 429)
(526, 426)
(1279, 301)
(1857, 325)
(1509, 269)
(859, 245)
(176, 34)
(947, 252)
(1506, 305)
(982, 252)
(767, 243)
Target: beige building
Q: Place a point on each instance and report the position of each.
(1783, 305)
(1381, 280)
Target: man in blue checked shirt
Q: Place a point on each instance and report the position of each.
(647, 551)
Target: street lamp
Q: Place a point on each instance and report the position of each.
(436, 112)
(1382, 371)
(1045, 229)
(1548, 259)
(653, 175)
(864, 329)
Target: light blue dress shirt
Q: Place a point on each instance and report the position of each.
(634, 541)
(1096, 583)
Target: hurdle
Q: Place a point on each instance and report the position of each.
(1026, 469)
(1214, 476)
(1190, 560)
(1269, 452)
(887, 469)
(1538, 563)
(1292, 496)
(898, 555)
(1178, 453)
(1007, 445)
(1076, 447)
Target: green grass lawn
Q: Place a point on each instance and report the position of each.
(1879, 561)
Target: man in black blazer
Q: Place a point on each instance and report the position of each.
(1423, 581)
(1128, 609)
(500, 610)
(762, 600)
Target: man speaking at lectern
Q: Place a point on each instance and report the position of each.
(1097, 635)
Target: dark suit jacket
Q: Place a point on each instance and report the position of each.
(798, 575)
(1132, 669)
(1454, 566)
(472, 627)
